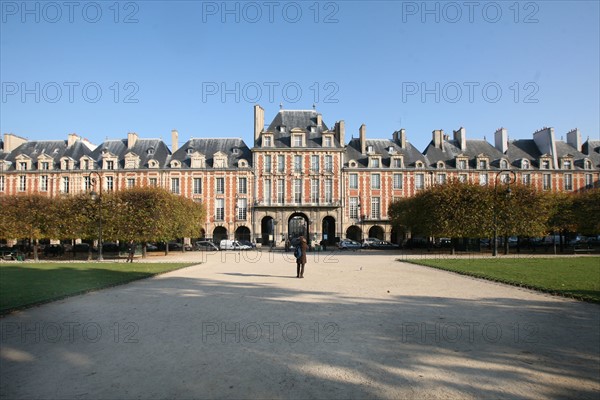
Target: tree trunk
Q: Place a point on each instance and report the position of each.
(505, 244)
(35, 250)
(144, 249)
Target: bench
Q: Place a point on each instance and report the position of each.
(587, 250)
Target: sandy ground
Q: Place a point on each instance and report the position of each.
(359, 325)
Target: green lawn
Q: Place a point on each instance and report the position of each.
(572, 277)
(26, 284)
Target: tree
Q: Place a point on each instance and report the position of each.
(586, 211)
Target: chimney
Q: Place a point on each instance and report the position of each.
(340, 128)
(72, 138)
(438, 137)
(574, 139)
(399, 137)
(132, 137)
(319, 120)
(460, 136)
(12, 141)
(362, 134)
(544, 140)
(174, 140)
(501, 140)
(259, 122)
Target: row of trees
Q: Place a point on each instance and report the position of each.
(139, 214)
(461, 210)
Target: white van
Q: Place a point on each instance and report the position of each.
(233, 245)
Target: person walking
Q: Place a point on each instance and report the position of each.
(300, 253)
(131, 251)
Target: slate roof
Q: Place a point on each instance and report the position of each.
(591, 148)
(302, 119)
(56, 149)
(209, 147)
(381, 147)
(523, 149)
(140, 148)
(450, 149)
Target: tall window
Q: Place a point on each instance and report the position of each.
(375, 181)
(589, 181)
(297, 163)
(23, 166)
(267, 191)
(353, 181)
(483, 179)
(567, 164)
(22, 183)
(280, 191)
(397, 181)
(242, 185)
(297, 140)
(314, 163)
(397, 162)
(327, 141)
(527, 179)
(110, 165)
(547, 182)
(130, 182)
(328, 190)
(462, 164)
(85, 164)
(281, 163)
(45, 165)
(197, 185)
(65, 184)
(375, 208)
(242, 209)
(153, 182)
(328, 163)
(220, 183)
(441, 178)
(1, 183)
(568, 180)
(482, 164)
(353, 207)
(314, 190)
(175, 185)
(297, 190)
(268, 163)
(44, 183)
(419, 181)
(267, 142)
(545, 164)
(375, 163)
(110, 183)
(219, 209)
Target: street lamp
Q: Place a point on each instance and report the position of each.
(98, 196)
(510, 180)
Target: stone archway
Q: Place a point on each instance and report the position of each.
(267, 230)
(298, 226)
(328, 230)
(377, 232)
(242, 233)
(219, 233)
(354, 232)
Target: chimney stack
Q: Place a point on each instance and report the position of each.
(340, 128)
(174, 140)
(460, 136)
(438, 137)
(12, 141)
(319, 120)
(399, 137)
(501, 140)
(544, 140)
(574, 139)
(362, 134)
(72, 138)
(259, 122)
(132, 137)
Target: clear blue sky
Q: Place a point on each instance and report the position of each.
(360, 61)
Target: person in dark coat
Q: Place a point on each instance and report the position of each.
(130, 251)
(301, 261)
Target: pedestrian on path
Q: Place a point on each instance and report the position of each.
(300, 253)
(131, 251)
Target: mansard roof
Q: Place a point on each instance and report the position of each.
(381, 147)
(286, 120)
(159, 151)
(209, 147)
(450, 150)
(55, 149)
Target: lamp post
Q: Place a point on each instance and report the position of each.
(98, 197)
(510, 180)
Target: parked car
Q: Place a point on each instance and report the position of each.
(82, 248)
(151, 247)
(349, 244)
(205, 245)
(384, 245)
(247, 243)
(110, 247)
(233, 245)
(54, 250)
(368, 242)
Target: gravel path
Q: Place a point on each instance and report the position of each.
(357, 326)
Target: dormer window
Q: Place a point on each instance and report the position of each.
(369, 149)
(567, 164)
(441, 165)
(391, 150)
(152, 164)
(327, 141)
(396, 162)
(482, 164)
(525, 164)
(352, 164)
(220, 160)
(235, 151)
(282, 129)
(313, 129)
(150, 151)
(175, 164)
(267, 141)
(462, 163)
(503, 164)
(190, 150)
(418, 164)
(22, 166)
(545, 164)
(587, 164)
(44, 165)
(297, 140)
(375, 162)
(242, 163)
